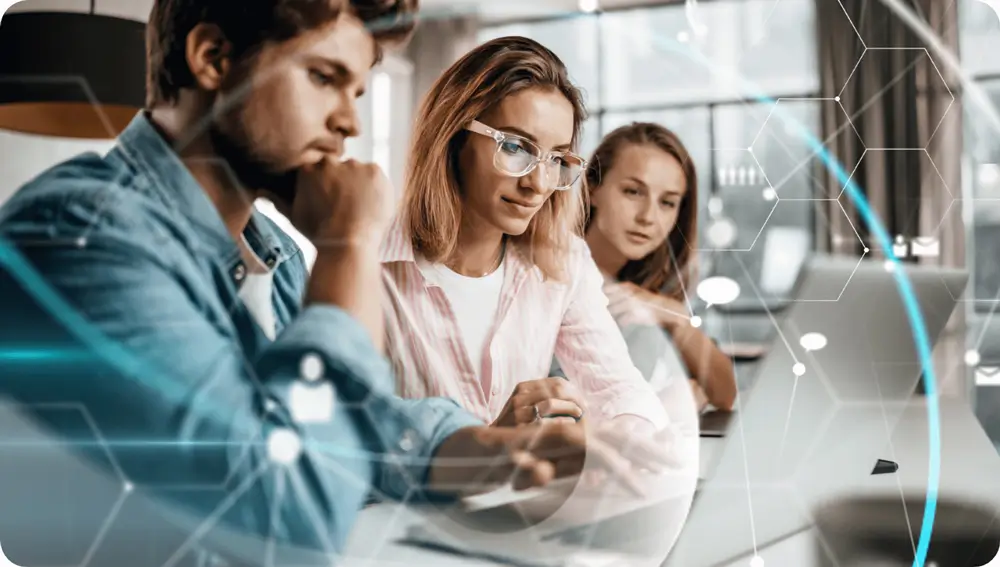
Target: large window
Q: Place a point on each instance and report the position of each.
(714, 80)
(980, 43)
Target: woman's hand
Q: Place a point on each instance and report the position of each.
(548, 399)
(700, 398)
(633, 305)
(476, 458)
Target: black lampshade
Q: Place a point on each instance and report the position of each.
(70, 74)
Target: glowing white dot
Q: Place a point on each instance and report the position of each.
(588, 6)
(867, 250)
(972, 357)
(989, 173)
(128, 487)
(311, 367)
(715, 205)
(683, 37)
(836, 98)
(750, 149)
(813, 341)
(769, 194)
(890, 266)
(722, 233)
(270, 406)
(799, 369)
(283, 446)
(696, 321)
(81, 242)
(757, 561)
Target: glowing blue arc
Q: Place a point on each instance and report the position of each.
(916, 319)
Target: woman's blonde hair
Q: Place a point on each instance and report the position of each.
(432, 203)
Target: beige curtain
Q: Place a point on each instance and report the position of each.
(908, 144)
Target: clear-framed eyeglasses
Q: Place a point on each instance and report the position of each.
(517, 156)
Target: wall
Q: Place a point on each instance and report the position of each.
(22, 156)
(435, 46)
(387, 107)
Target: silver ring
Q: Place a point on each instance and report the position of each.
(538, 416)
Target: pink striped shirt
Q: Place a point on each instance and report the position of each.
(535, 319)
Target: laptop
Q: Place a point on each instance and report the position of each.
(795, 441)
(714, 423)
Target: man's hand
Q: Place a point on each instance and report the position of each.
(340, 203)
(344, 210)
(546, 399)
(477, 458)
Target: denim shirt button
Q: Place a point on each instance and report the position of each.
(239, 272)
(271, 262)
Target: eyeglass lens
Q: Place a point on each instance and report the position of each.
(518, 157)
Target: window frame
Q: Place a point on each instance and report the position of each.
(985, 79)
(747, 303)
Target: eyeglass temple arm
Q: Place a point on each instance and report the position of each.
(480, 128)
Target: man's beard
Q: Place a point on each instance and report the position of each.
(252, 173)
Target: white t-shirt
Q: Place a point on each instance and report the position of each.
(257, 290)
(474, 302)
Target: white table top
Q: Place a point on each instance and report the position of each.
(970, 468)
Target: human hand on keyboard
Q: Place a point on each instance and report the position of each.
(547, 399)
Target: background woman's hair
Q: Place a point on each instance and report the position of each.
(670, 266)
(432, 201)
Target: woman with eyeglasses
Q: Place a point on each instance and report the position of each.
(485, 275)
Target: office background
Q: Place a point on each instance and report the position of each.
(760, 70)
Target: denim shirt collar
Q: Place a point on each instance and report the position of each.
(166, 178)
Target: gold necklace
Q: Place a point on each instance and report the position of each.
(496, 263)
(500, 256)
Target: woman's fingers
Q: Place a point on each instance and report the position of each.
(526, 414)
(537, 399)
(559, 408)
(700, 398)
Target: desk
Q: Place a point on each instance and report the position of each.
(970, 468)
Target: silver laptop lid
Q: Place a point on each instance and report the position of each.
(798, 437)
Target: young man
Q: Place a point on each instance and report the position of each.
(204, 308)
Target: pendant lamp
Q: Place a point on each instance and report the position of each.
(72, 75)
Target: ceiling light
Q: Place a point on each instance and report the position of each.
(72, 75)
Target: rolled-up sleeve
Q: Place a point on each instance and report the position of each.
(593, 354)
(401, 435)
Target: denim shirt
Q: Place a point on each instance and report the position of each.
(126, 254)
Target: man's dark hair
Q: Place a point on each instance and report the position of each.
(248, 25)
